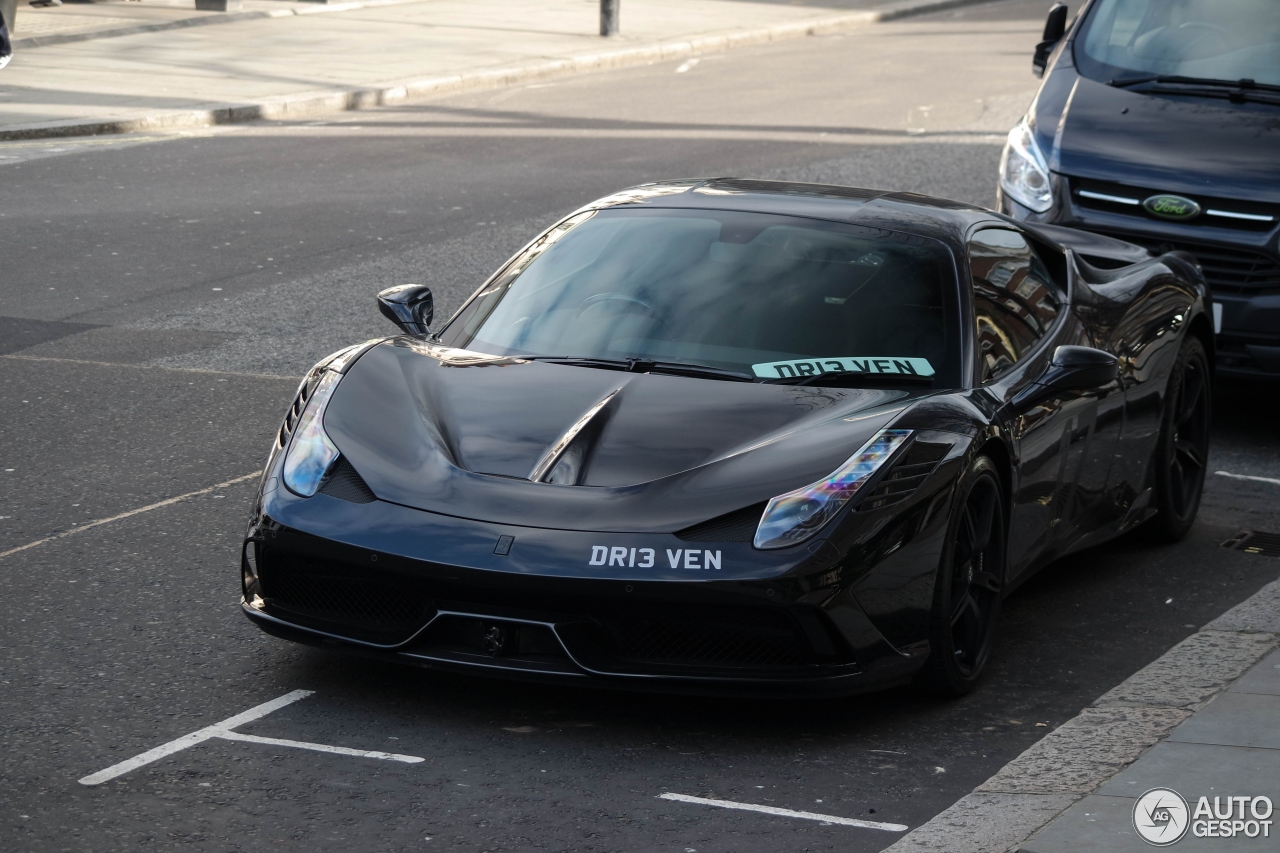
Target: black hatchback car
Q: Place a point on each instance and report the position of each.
(1159, 122)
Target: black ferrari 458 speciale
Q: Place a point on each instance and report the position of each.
(735, 434)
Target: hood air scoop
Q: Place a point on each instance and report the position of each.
(565, 461)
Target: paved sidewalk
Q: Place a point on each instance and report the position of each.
(1202, 720)
(1231, 748)
(85, 20)
(287, 67)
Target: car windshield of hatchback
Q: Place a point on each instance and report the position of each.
(1208, 39)
(760, 297)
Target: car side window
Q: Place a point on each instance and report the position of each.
(1015, 299)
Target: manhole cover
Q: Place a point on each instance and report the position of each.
(1255, 542)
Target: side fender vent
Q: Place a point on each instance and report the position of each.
(346, 484)
(906, 476)
(737, 526)
(295, 410)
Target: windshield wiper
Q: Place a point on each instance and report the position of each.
(643, 365)
(1243, 83)
(1235, 90)
(861, 377)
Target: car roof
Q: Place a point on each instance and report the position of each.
(941, 219)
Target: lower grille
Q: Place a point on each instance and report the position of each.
(608, 636)
(1228, 270)
(711, 637)
(342, 600)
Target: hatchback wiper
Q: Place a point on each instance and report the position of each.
(643, 365)
(858, 376)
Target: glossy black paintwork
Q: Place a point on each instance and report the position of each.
(446, 441)
(1209, 150)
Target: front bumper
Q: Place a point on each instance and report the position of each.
(431, 590)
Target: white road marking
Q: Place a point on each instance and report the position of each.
(194, 738)
(749, 807)
(92, 524)
(320, 747)
(224, 731)
(1271, 480)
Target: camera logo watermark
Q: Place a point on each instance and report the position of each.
(1162, 817)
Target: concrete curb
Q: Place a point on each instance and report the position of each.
(225, 18)
(303, 104)
(1086, 751)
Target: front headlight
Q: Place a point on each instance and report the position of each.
(1024, 175)
(794, 517)
(310, 452)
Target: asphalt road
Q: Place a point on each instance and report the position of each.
(159, 297)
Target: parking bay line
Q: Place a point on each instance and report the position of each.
(751, 807)
(223, 731)
(1271, 480)
(166, 502)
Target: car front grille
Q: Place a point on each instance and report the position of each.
(705, 637)
(341, 599)
(1227, 269)
(1217, 212)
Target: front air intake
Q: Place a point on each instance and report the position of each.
(737, 526)
(345, 483)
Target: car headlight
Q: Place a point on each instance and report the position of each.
(1024, 175)
(311, 453)
(794, 517)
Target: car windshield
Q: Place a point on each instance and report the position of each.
(765, 296)
(1208, 39)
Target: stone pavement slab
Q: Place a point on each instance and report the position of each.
(1198, 770)
(1100, 824)
(1263, 678)
(1235, 719)
(287, 66)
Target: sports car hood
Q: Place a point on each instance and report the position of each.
(1170, 144)
(430, 429)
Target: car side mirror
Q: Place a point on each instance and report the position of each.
(1070, 369)
(1054, 29)
(409, 306)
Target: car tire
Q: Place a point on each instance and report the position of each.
(1182, 450)
(969, 585)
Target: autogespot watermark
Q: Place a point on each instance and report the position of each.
(1162, 817)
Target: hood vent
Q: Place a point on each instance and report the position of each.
(565, 461)
(906, 476)
(737, 526)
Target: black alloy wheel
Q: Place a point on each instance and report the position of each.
(1182, 452)
(969, 586)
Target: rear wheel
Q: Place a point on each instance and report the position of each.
(969, 586)
(1182, 451)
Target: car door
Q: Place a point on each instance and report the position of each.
(1020, 318)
